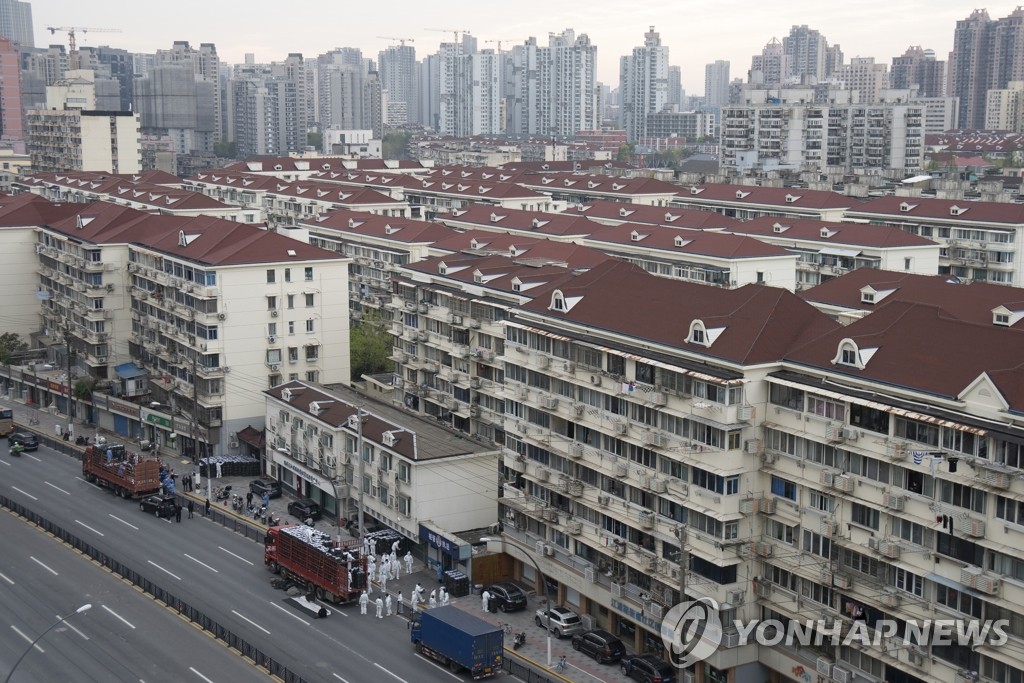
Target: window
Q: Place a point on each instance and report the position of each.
(309, 300)
(291, 327)
(783, 487)
(273, 356)
(1010, 510)
(271, 302)
(312, 353)
(816, 544)
(308, 274)
(848, 356)
(788, 397)
(823, 502)
(271, 329)
(773, 528)
(293, 354)
(864, 516)
(959, 601)
(287, 274)
(313, 376)
(291, 301)
(558, 302)
(963, 496)
(908, 582)
(833, 410)
(271, 276)
(404, 471)
(310, 326)
(404, 505)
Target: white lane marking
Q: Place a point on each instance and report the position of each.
(43, 565)
(339, 678)
(90, 528)
(293, 616)
(163, 570)
(238, 556)
(6, 579)
(200, 675)
(15, 628)
(71, 626)
(390, 673)
(66, 493)
(251, 622)
(24, 493)
(441, 668)
(4, 462)
(95, 486)
(127, 623)
(124, 522)
(202, 563)
(34, 458)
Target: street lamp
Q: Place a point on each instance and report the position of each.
(84, 608)
(356, 422)
(547, 589)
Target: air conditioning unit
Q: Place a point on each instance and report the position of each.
(841, 581)
(823, 667)
(274, 313)
(891, 597)
(972, 526)
(549, 550)
(893, 501)
(841, 675)
(549, 402)
(829, 529)
(274, 367)
(590, 575)
(621, 427)
(575, 528)
(844, 483)
(657, 485)
(656, 439)
(569, 366)
(576, 450)
(595, 380)
(890, 549)
(272, 339)
(222, 316)
(603, 500)
(825, 478)
(753, 446)
(578, 409)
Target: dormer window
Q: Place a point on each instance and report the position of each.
(636, 236)
(623, 213)
(826, 233)
(779, 228)
(906, 206)
(791, 198)
(478, 276)
(957, 210)
(1007, 317)
(680, 242)
(473, 244)
(740, 194)
(850, 355)
(517, 285)
(669, 217)
(558, 301)
(698, 334)
(867, 297)
(696, 190)
(1002, 319)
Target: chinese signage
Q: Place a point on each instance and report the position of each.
(448, 546)
(159, 419)
(636, 615)
(295, 468)
(123, 407)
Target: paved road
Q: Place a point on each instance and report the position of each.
(218, 571)
(124, 637)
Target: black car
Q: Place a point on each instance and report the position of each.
(304, 508)
(648, 669)
(272, 488)
(507, 597)
(29, 441)
(161, 506)
(599, 644)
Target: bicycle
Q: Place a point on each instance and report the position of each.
(507, 628)
(32, 421)
(562, 664)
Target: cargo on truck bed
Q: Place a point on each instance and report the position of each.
(127, 474)
(308, 557)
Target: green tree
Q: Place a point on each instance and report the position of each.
(83, 388)
(626, 152)
(395, 144)
(370, 345)
(10, 344)
(226, 149)
(315, 140)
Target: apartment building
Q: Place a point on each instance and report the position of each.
(80, 140)
(827, 250)
(643, 85)
(315, 437)
(979, 241)
(398, 80)
(744, 202)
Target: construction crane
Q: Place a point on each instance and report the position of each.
(454, 31)
(73, 53)
(499, 41)
(402, 41)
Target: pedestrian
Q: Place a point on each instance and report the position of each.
(177, 513)
(266, 500)
(394, 564)
(387, 604)
(401, 601)
(364, 600)
(110, 455)
(433, 599)
(248, 500)
(485, 600)
(206, 510)
(417, 597)
(218, 469)
(444, 596)
(380, 607)
(440, 572)
(382, 576)
(371, 568)
(408, 562)
(191, 507)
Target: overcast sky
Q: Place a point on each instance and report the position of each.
(695, 32)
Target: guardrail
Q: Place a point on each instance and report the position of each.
(193, 614)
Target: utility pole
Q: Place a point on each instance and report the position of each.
(195, 415)
(356, 422)
(67, 342)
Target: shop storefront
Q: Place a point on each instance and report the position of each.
(445, 550)
(304, 482)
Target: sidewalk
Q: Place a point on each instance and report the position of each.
(580, 669)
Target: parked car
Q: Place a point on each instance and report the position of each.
(304, 508)
(648, 669)
(560, 621)
(599, 644)
(507, 597)
(161, 506)
(272, 488)
(29, 441)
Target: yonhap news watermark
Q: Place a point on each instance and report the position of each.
(693, 631)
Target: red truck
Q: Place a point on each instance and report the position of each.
(129, 475)
(310, 558)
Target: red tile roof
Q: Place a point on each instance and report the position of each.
(29, 209)
(497, 272)
(760, 324)
(607, 210)
(404, 230)
(159, 197)
(770, 196)
(921, 347)
(807, 229)
(918, 208)
(542, 223)
(534, 249)
(682, 241)
(972, 302)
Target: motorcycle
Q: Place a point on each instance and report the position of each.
(274, 521)
(222, 493)
(259, 512)
(16, 449)
(236, 502)
(81, 440)
(519, 640)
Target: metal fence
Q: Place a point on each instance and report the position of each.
(527, 673)
(196, 616)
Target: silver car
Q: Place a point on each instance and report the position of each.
(562, 622)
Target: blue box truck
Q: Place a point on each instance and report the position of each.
(459, 640)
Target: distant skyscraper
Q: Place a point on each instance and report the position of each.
(918, 67)
(12, 125)
(643, 84)
(171, 101)
(675, 86)
(428, 81)
(987, 54)
(771, 67)
(268, 106)
(554, 87)
(807, 51)
(16, 22)
(205, 64)
(469, 90)
(716, 83)
(398, 80)
(865, 77)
